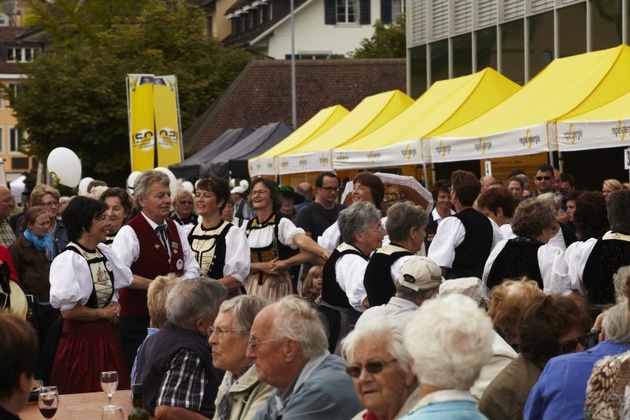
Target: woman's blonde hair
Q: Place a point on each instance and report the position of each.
(315, 271)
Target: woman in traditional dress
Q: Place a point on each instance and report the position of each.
(366, 187)
(220, 248)
(119, 209)
(84, 284)
(276, 244)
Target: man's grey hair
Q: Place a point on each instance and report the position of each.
(449, 341)
(401, 217)
(618, 209)
(385, 329)
(355, 219)
(616, 323)
(195, 298)
(144, 182)
(244, 309)
(619, 280)
(297, 320)
(551, 198)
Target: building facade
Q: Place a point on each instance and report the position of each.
(518, 38)
(323, 28)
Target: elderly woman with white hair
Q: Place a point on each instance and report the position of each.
(380, 368)
(449, 340)
(240, 394)
(343, 295)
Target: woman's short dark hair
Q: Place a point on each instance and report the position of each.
(79, 215)
(466, 186)
(276, 196)
(374, 183)
(590, 217)
(441, 185)
(125, 199)
(618, 210)
(18, 347)
(219, 187)
(494, 198)
(545, 321)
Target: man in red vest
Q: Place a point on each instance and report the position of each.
(151, 245)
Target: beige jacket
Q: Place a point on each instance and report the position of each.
(246, 395)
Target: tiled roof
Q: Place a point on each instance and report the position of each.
(262, 93)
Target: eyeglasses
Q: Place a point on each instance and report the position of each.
(186, 202)
(254, 343)
(540, 178)
(260, 192)
(50, 204)
(552, 229)
(571, 345)
(220, 332)
(371, 367)
(330, 189)
(381, 228)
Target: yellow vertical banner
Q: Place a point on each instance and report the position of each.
(141, 121)
(165, 105)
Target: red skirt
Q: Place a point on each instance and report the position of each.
(85, 350)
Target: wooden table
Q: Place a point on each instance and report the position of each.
(81, 406)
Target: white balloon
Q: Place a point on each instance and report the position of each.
(131, 179)
(244, 184)
(188, 186)
(64, 166)
(174, 184)
(84, 184)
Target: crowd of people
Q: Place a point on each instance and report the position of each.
(266, 301)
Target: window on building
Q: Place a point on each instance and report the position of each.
(1, 139)
(347, 11)
(15, 88)
(16, 139)
(391, 10)
(21, 54)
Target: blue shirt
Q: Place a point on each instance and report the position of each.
(560, 392)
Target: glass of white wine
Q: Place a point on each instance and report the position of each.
(109, 384)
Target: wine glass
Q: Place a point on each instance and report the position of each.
(47, 401)
(112, 412)
(109, 384)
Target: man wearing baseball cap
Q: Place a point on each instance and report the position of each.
(419, 280)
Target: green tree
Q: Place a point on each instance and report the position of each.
(388, 41)
(75, 94)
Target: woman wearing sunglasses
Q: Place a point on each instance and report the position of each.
(551, 326)
(380, 368)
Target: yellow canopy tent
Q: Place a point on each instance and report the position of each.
(604, 127)
(370, 114)
(446, 105)
(519, 125)
(321, 122)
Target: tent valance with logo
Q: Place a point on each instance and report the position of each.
(447, 105)
(369, 115)
(524, 123)
(321, 122)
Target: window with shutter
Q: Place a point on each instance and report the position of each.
(386, 11)
(330, 12)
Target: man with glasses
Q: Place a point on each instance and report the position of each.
(175, 364)
(288, 344)
(317, 216)
(544, 179)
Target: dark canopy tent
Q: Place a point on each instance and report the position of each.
(190, 168)
(233, 162)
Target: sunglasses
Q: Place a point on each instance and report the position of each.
(371, 367)
(540, 178)
(571, 345)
